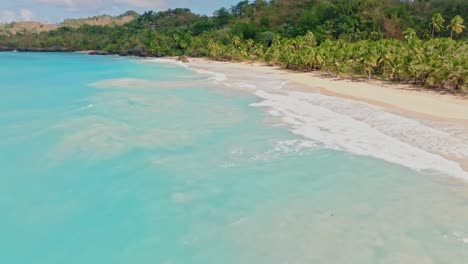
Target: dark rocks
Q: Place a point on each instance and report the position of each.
(138, 51)
(183, 59)
(124, 53)
(5, 49)
(99, 52)
(51, 49)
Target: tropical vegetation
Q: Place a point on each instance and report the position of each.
(420, 41)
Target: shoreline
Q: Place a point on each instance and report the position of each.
(370, 91)
(432, 110)
(400, 98)
(403, 99)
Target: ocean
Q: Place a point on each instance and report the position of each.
(106, 159)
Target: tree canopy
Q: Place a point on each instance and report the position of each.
(388, 39)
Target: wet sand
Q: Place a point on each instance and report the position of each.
(434, 109)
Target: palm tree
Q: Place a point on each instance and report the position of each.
(456, 25)
(437, 23)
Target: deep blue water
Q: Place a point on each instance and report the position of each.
(117, 160)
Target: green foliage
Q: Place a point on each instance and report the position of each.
(456, 25)
(438, 63)
(385, 39)
(437, 23)
(246, 30)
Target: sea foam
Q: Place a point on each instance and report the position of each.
(365, 130)
(341, 124)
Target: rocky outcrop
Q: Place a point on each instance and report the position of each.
(138, 51)
(51, 49)
(183, 59)
(98, 52)
(5, 49)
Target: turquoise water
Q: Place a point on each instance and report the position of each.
(117, 160)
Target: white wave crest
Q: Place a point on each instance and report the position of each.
(165, 61)
(217, 77)
(347, 125)
(365, 130)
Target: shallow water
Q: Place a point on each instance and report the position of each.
(120, 160)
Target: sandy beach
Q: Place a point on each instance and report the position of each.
(403, 98)
(445, 114)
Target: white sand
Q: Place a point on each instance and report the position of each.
(402, 97)
(421, 121)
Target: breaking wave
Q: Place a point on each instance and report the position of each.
(348, 125)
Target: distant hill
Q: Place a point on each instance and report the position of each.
(103, 20)
(38, 27)
(27, 27)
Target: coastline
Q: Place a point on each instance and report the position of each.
(403, 99)
(431, 110)
(420, 110)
